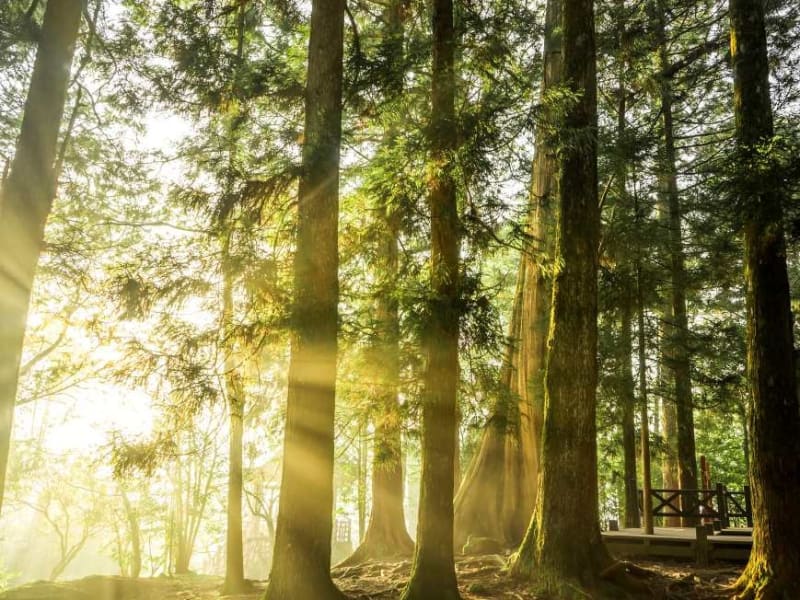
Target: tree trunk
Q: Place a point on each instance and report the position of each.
(647, 478)
(433, 573)
(498, 495)
(301, 564)
(490, 484)
(774, 567)
(627, 391)
(628, 401)
(234, 394)
(563, 541)
(677, 341)
(135, 536)
(386, 536)
(27, 198)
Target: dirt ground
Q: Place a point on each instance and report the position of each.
(480, 577)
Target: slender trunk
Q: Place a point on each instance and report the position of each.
(678, 338)
(647, 512)
(301, 564)
(27, 198)
(234, 394)
(628, 400)
(627, 392)
(135, 536)
(774, 567)
(563, 540)
(433, 573)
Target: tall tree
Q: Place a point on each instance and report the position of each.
(677, 328)
(27, 198)
(774, 567)
(232, 378)
(386, 534)
(563, 540)
(301, 564)
(498, 495)
(433, 572)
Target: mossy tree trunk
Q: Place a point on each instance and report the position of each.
(27, 198)
(563, 541)
(774, 567)
(302, 556)
(433, 573)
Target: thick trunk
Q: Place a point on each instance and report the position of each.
(677, 349)
(774, 567)
(386, 536)
(539, 264)
(499, 491)
(485, 503)
(27, 198)
(433, 573)
(563, 540)
(301, 564)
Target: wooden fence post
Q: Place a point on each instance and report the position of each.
(722, 506)
(748, 505)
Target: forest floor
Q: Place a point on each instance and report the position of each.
(480, 577)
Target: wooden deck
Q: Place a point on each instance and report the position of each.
(676, 542)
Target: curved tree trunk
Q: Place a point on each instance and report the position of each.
(563, 541)
(774, 567)
(27, 198)
(301, 564)
(433, 573)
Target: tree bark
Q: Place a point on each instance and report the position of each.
(301, 564)
(433, 572)
(498, 495)
(677, 341)
(386, 536)
(135, 536)
(627, 391)
(490, 485)
(774, 567)
(628, 401)
(563, 541)
(234, 394)
(27, 198)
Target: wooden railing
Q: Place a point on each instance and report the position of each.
(720, 504)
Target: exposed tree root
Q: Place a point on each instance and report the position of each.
(369, 552)
(758, 582)
(628, 576)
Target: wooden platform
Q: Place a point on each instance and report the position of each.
(678, 542)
